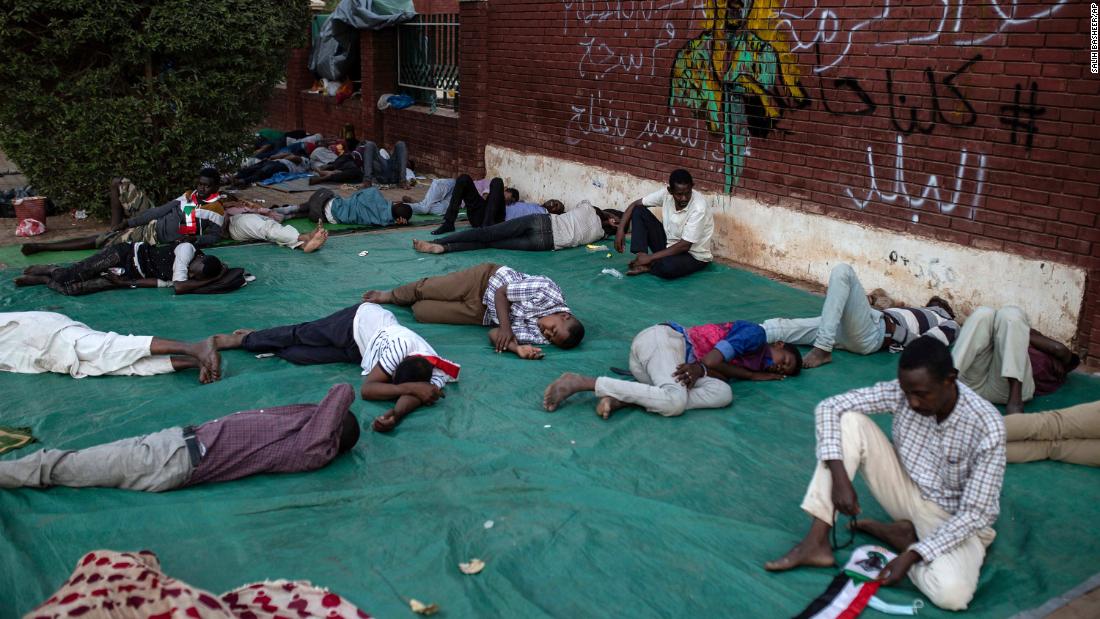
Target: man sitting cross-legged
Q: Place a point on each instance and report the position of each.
(849, 322)
(1005, 361)
(528, 309)
(940, 481)
(679, 243)
(280, 439)
(577, 226)
(679, 369)
(37, 342)
(398, 364)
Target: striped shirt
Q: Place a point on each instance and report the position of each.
(532, 297)
(958, 464)
(913, 322)
(385, 343)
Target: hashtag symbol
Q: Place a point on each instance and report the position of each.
(1010, 115)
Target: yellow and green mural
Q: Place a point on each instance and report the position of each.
(737, 66)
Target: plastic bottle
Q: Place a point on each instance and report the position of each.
(612, 272)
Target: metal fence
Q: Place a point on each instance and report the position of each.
(427, 59)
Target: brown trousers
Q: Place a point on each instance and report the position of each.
(454, 298)
(1068, 434)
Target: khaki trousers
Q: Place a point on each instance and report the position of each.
(1069, 434)
(153, 463)
(654, 355)
(454, 298)
(951, 579)
(255, 227)
(992, 348)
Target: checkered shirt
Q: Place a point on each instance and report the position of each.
(958, 464)
(532, 297)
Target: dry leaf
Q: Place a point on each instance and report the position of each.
(419, 608)
(473, 567)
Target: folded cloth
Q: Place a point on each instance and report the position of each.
(282, 177)
(107, 583)
(14, 438)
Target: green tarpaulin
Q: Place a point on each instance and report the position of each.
(638, 516)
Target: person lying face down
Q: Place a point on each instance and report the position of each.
(281, 439)
(579, 225)
(37, 342)
(528, 309)
(398, 364)
(678, 368)
(129, 265)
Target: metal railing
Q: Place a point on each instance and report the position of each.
(427, 59)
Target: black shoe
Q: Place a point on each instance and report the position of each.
(444, 229)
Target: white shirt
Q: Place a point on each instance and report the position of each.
(385, 343)
(577, 226)
(694, 224)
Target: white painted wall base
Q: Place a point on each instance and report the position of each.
(806, 246)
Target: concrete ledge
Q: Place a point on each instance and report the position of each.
(805, 246)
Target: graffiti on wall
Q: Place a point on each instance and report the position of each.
(836, 31)
(944, 196)
(737, 76)
(737, 62)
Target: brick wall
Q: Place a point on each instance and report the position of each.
(433, 139)
(972, 127)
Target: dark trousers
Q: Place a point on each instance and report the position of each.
(328, 340)
(529, 233)
(386, 171)
(260, 171)
(647, 235)
(480, 211)
(346, 170)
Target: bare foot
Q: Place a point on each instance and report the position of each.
(32, 280)
(816, 357)
(227, 341)
(898, 535)
(381, 297)
(637, 270)
(408, 199)
(806, 553)
(566, 385)
(426, 247)
(210, 361)
(608, 405)
(316, 240)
